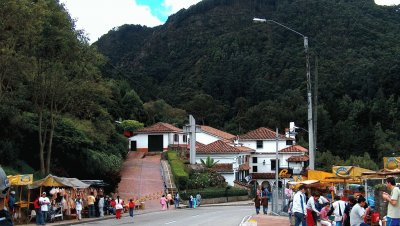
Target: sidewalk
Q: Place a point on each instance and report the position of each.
(263, 220)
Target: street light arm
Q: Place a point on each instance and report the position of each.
(273, 21)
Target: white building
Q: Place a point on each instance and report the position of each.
(263, 162)
(157, 137)
(232, 161)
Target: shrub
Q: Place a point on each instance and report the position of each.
(178, 170)
(199, 180)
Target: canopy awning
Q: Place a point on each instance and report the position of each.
(306, 182)
(54, 181)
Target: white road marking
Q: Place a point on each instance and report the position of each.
(170, 222)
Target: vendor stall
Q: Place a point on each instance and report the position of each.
(18, 184)
(62, 191)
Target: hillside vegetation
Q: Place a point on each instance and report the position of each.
(212, 61)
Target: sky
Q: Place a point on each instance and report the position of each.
(97, 17)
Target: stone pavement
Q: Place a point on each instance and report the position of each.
(141, 179)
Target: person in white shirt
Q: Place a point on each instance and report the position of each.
(338, 210)
(358, 213)
(299, 207)
(44, 207)
(78, 207)
(101, 206)
(311, 207)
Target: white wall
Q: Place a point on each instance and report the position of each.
(267, 167)
(229, 178)
(142, 140)
(205, 138)
(268, 145)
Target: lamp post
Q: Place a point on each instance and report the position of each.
(311, 143)
(276, 193)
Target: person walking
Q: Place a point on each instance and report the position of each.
(190, 201)
(264, 203)
(163, 202)
(11, 203)
(346, 218)
(257, 203)
(194, 203)
(299, 206)
(90, 200)
(358, 213)
(119, 206)
(78, 207)
(177, 200)
(393, 212)
(131, 206)
(36, 205)
(337, 209)
(101, 206)
(169, 200)
(198, 199)
(312, 212)
(44, 208)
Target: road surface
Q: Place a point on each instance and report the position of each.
(214, 215)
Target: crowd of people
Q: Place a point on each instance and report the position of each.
(307, 207)
(168, 200)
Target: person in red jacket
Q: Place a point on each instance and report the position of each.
(36, 204)
(131, 206)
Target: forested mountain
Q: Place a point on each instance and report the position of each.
(57, 111)
(214, 62)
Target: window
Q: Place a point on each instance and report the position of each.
(185, 138)
(255, 169)
(289, 142)
(259, 144)
(273, 164)
(176, 138)
(254, 159)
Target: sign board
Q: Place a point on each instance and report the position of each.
(341, 171)
(285, 173)
(24, 179)
(391, 163)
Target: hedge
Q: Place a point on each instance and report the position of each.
(209, 193)
(178, 170)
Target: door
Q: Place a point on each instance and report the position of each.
(133, 145)
(156, 143)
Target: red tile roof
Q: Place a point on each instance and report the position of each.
(159, 127)
(223, 167)
(263, 175)
(298, 158)
(219, 146)
(262, 133)
(244, 166)
(294, 148)
(217, 132)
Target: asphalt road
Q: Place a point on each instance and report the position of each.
(214, 215)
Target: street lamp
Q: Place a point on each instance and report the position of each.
(309, 98)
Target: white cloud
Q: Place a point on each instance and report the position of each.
(175, 5)
(387, 2)
(97, 17)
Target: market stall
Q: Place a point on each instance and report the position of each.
(62, 190)
(18, 184)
